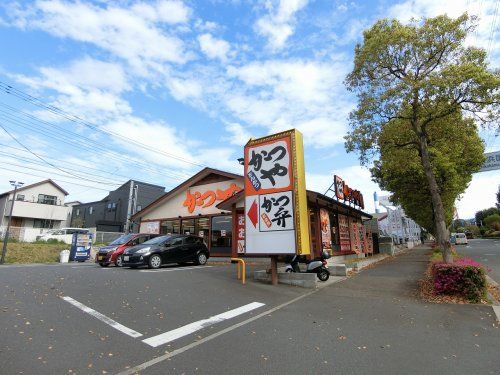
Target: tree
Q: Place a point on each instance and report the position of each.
(457, 152)
(481, 215)
(498, 197)
(493, 221)
(419, 74)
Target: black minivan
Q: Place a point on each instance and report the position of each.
(176, 248)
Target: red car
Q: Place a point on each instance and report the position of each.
(113, 252)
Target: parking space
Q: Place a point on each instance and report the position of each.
(82, 318)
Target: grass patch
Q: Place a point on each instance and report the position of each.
(26, 252)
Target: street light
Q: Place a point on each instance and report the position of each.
(16, 185)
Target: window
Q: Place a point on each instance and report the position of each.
(47, 199)
(77, 212)
(91, 210)
(42, 223)
(192, 240)
(111, 207)
(139, 207)
(177, 241)
(170, 227)
(20, 197)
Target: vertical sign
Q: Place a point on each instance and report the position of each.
(240, 233)
(326, 231)
(276, 220)
(345, 238)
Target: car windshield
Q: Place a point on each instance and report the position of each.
(157, 240)
(122, 239)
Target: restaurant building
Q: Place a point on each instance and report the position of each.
(211, 205)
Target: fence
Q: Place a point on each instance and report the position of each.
(105, 237)
(26, 234)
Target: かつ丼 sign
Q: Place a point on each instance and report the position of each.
(276, 219)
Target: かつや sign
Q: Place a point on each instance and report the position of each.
(276, 219)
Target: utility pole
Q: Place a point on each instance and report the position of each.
(16, 185)
(129, 206)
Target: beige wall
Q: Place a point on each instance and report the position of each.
(31, 194)
(39, 211)
(173, 206)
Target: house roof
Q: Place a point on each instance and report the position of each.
(37, 184)
(205, 172)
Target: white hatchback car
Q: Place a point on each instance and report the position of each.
(460, 238)
(63, 234)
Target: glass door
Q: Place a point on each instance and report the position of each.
(222, 233)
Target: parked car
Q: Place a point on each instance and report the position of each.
(62, 234)
(177, 248)
(459, 239)
(113, 252)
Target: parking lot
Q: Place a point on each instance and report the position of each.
(81, 318)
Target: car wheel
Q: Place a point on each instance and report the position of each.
(201, 259)
(154, 261)
(119, 261)
(103, 264)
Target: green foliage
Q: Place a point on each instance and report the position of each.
(493, 221)
(474, 229)
(24, 252)
(456, 152)
(50, 241)
(414, 84)
(480, 215)
(419, 74)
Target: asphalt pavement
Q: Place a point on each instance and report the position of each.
(485, 251)
(205, 322)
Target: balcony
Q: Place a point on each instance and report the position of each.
(36, 210)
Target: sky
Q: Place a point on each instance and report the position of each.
(106, 91)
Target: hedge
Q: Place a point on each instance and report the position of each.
(464, 277)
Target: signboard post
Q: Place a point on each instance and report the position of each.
(276, 220)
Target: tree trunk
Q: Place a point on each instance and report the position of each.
(442, 233)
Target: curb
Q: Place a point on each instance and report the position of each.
(494, 303)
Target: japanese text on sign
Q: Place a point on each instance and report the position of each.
(268, 167)
(276, 210)
(208, 198)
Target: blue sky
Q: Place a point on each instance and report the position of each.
(195, 80)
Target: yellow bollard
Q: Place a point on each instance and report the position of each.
(241, 274)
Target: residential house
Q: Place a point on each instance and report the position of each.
(110, 213)
(40, 205)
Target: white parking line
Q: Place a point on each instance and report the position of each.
(103, 318)
(200, 324)
(176, 269)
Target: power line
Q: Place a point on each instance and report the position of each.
(8, 89)
(67, 137)
(15, 156)
(31, 161)
(47, 162)
(55, 179)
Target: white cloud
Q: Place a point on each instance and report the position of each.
(133, 34)
(279, 95)
(279, 24)
(86, 87)
(214, 48)
(480, 194)
(486, 10)
(171, 12)
(239, 135)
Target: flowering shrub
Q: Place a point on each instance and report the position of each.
(465, 277)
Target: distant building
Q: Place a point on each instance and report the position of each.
(110, 213)
(40, 205)
(394, 223)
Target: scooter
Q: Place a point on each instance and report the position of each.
(317, 266)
